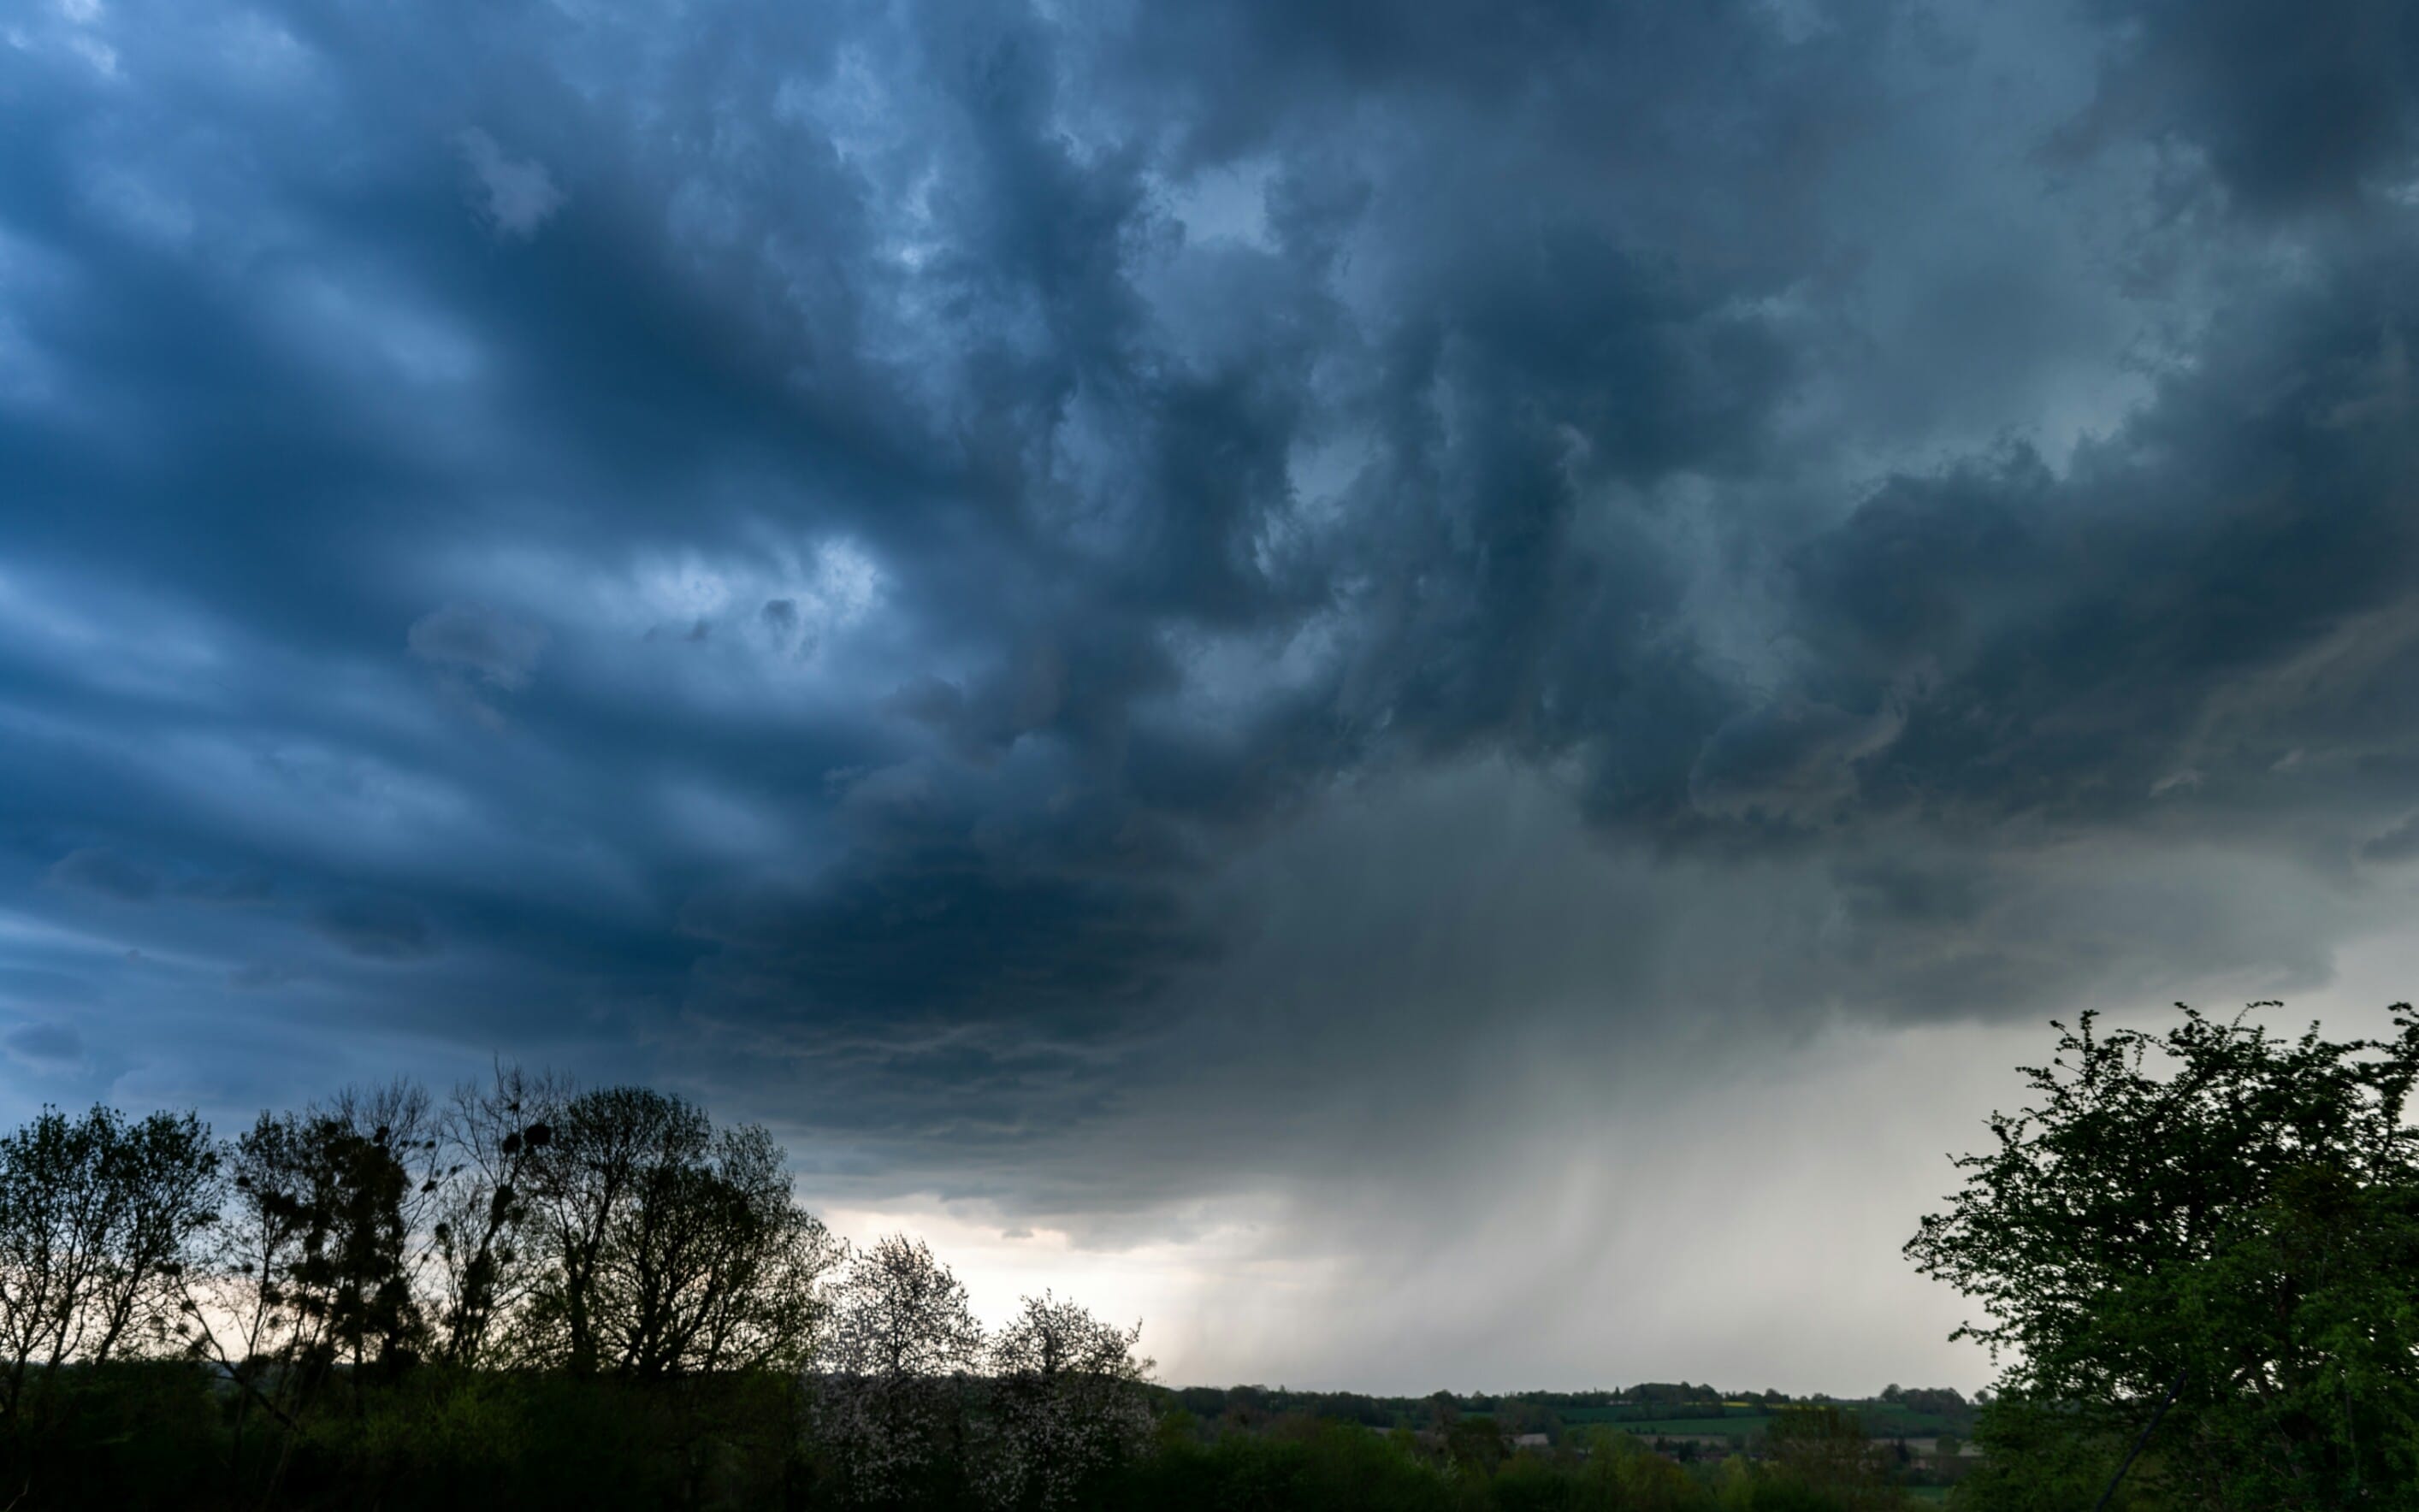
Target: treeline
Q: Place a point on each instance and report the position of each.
(1557, 1412)
(1819, 1461)
(528, 1294)
(387, 1299)
(1646, 1401)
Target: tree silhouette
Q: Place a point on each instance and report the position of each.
(99, 1221)
(666, 1248)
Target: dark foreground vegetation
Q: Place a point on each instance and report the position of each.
(2200, 1252)
(155, 1435)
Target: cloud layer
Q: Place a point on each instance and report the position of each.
(1089, 606)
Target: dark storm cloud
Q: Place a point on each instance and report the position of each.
(920, 504)
(2400, 844)
(2221, 585)
(382, 929)
(470, 638)
(100, 870)
(2294, 107)
(45, 1042)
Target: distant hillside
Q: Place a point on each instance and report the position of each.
(1676, 1408)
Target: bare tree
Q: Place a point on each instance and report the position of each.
(589, 1171)
(904, 1345)
(98, 1221)
(727, 1273)
(1067, 1401)
(483, 1235)
(668, 1249)
(165, 1171)
(240, 1310)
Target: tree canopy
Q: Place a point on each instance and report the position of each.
(2213, 1210)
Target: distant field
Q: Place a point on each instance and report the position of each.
(1734, 1425)
(1612, 1416)
(1881, 1422)
(1912, 1425)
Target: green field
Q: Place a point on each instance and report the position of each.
(1888, 1424)
(1729, 1423)
(1881, 1422)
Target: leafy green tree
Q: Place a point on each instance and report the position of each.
(1825, 1450)
(1476, 1444)
(1624, 1474)
(2215, 1211)
(2045, 1456)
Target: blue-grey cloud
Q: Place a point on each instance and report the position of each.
(476, 641)
(2290, 107)
(516, 195)
(383, 929)
(2398, 844)
(98, 869)
(929, 506)
(45, 1042)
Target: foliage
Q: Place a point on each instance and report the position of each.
(2039, 1456)
(1825, 1450)
(314, 1264)
(2214, 1205)
(535, 1297)
(99, 1221)
(160, 1435)
(157, 1435)
(1064, 1403)
(891, 1407)
(666, 1248)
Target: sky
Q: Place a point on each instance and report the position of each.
(1431, 692)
